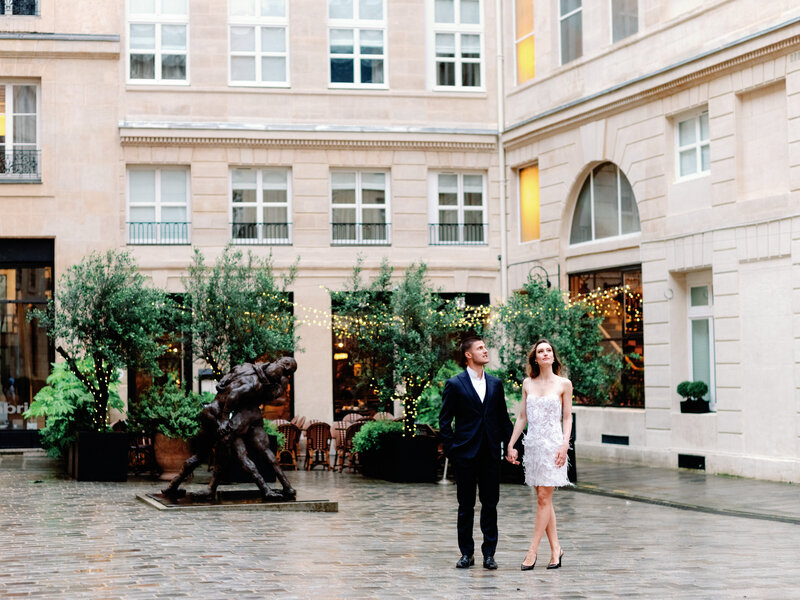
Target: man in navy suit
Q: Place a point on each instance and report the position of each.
(477, 402)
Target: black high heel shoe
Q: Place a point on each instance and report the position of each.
(558, 564)
(529, 567)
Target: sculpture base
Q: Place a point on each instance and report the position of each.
(235, 498)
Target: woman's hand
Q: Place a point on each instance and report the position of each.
(512, 456)
(561, 455)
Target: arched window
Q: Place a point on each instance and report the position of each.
(606, 206)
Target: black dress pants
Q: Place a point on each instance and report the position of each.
(482, 472)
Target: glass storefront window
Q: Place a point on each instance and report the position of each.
(25, 350)
(616, 294)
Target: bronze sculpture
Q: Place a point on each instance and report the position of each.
(232, 427)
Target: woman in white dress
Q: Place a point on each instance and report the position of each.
(547, 410)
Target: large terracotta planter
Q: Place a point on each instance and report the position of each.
(170, 453)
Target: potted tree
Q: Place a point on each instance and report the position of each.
(693, 393)
(170, 415)
(103, 319)
(406, 327)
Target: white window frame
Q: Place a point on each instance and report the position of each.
(697, 145)
(457, 30)
(611, 22)
(259, 205)
(562, 18)
(158, 204)
(460, 208)
(9, 128)
(619, 211)
(359, 207)
(356, 25)
(156, 19)
(258, 23)
(702, 313)
(8, 6)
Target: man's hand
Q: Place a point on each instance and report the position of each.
(512, 456)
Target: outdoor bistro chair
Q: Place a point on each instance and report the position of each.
(299, 421)
(287, 454)
(350, 418)
(318, 444)
(347, 449)
(279, 422)
(383, 416)
(339, 429)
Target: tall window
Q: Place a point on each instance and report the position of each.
(158, 40)
(458, 44)
(525, 50)
(606, 206)
(616, 296)
(260, 209)
(357, 38)
(158, 205)
(19, 131)
(570, 25)
(359, 208)
(694, 149)
(624, 19)
(19, 7)
(458, 209)
(258, 42)
(701, 330)
(529, 218)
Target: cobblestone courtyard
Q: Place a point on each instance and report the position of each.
(64, 539)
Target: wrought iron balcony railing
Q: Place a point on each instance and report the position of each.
(360, 234)
(271, 234)
(457, 234)
(143, 233)
(20, 164)
(19, 7)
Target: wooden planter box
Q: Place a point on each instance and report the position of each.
(99, 456)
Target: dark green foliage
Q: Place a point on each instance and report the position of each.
(67, 407)
(406, 327)
(240, 311)
(371, 434)
(104, 313)
(692, 389)
(170, 410)
(541, 312)
(430, 402)
(271, 429)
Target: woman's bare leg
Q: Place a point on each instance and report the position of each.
(544, 511)
(552, 536)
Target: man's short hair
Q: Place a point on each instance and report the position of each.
(466, 344)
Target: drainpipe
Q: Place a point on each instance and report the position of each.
(501, 154)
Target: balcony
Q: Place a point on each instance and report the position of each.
(19, 7)
(158, 234)
(457, 234)
(20, 165)
(360, 234)
(261, 234)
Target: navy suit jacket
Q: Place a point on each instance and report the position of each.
(474, 420)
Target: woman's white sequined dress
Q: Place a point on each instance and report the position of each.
(544, 438)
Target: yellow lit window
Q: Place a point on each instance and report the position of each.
(529, 204)
(526, 55)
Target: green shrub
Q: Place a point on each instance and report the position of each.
(371, 434)
(169, 410)
(692, 389)
(271, 429)
(67, 407)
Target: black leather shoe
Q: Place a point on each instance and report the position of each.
(465, 562)
(488, 563)
(558, 564)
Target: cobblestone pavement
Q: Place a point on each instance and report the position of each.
(65, 539)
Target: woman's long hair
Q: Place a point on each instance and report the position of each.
(533, 367)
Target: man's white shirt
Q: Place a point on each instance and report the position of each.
(479, 383)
